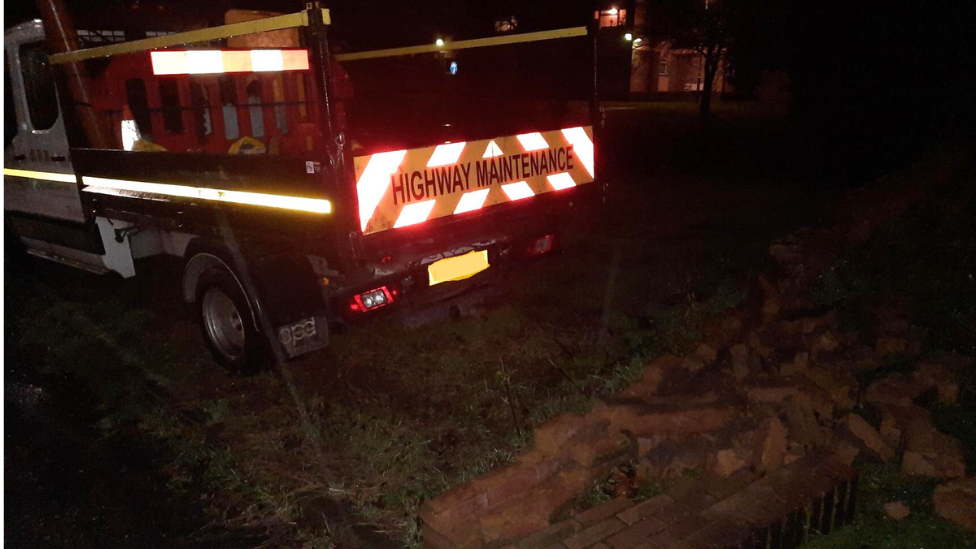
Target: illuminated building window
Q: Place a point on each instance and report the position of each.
(508, 24)
(611, 17)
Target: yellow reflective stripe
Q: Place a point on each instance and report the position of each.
(313, 205)
(223, 61)
(465, 44)
(278, 22)
(47, 176)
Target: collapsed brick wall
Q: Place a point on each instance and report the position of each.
(743, 510)
(772, 382)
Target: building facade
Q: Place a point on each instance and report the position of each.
(634, 67)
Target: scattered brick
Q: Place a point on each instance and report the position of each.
(681, 511)
(510, 522)
(836, 383)
(706, 353)
(740, 360)
(770, 392)
(645, 509)
(663, 540)
(435, 540)
(834, 469)
(688, 526)
(725, 462)
(721, 488)
(598, 451)
(593, 534)
(643, 419)
(500, 485)
(956, 502)
(719, 535)
(683, 486)
(603, 511)
(551, 535)
(551, 436)
(894, 390)
(896, 510)
(802, 423)
(866, 437)
(636, 533)
(770, 445)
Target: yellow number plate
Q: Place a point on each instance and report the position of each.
(458, 268)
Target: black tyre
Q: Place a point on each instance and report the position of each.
(227, 324)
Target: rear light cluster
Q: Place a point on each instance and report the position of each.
(373, 299)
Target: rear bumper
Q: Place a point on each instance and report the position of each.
(400, 257)
(413, 293)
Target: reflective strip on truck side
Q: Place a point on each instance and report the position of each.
(102, 184)
(408, 187)
(227, 61)
(105, 185)
(45, 176)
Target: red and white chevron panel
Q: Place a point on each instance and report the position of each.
(408, 187)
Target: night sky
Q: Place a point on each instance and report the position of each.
(362, 25)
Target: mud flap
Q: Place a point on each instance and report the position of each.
(292, 300)
(304, 336)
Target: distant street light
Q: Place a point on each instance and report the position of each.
(613, 11)
(439, 42)
(628, 37)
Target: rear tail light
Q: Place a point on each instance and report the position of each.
(541, 245)
(373, 299)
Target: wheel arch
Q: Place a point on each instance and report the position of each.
(202, 255)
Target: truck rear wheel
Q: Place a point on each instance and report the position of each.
(226, 322)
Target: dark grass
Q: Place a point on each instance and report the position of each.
(872, 529)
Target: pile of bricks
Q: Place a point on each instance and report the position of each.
(570, 453)
(755, 411)
(813, 494)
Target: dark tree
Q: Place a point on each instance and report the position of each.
(705, 26)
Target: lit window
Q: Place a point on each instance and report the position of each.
(508, 24)
(612, 17)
